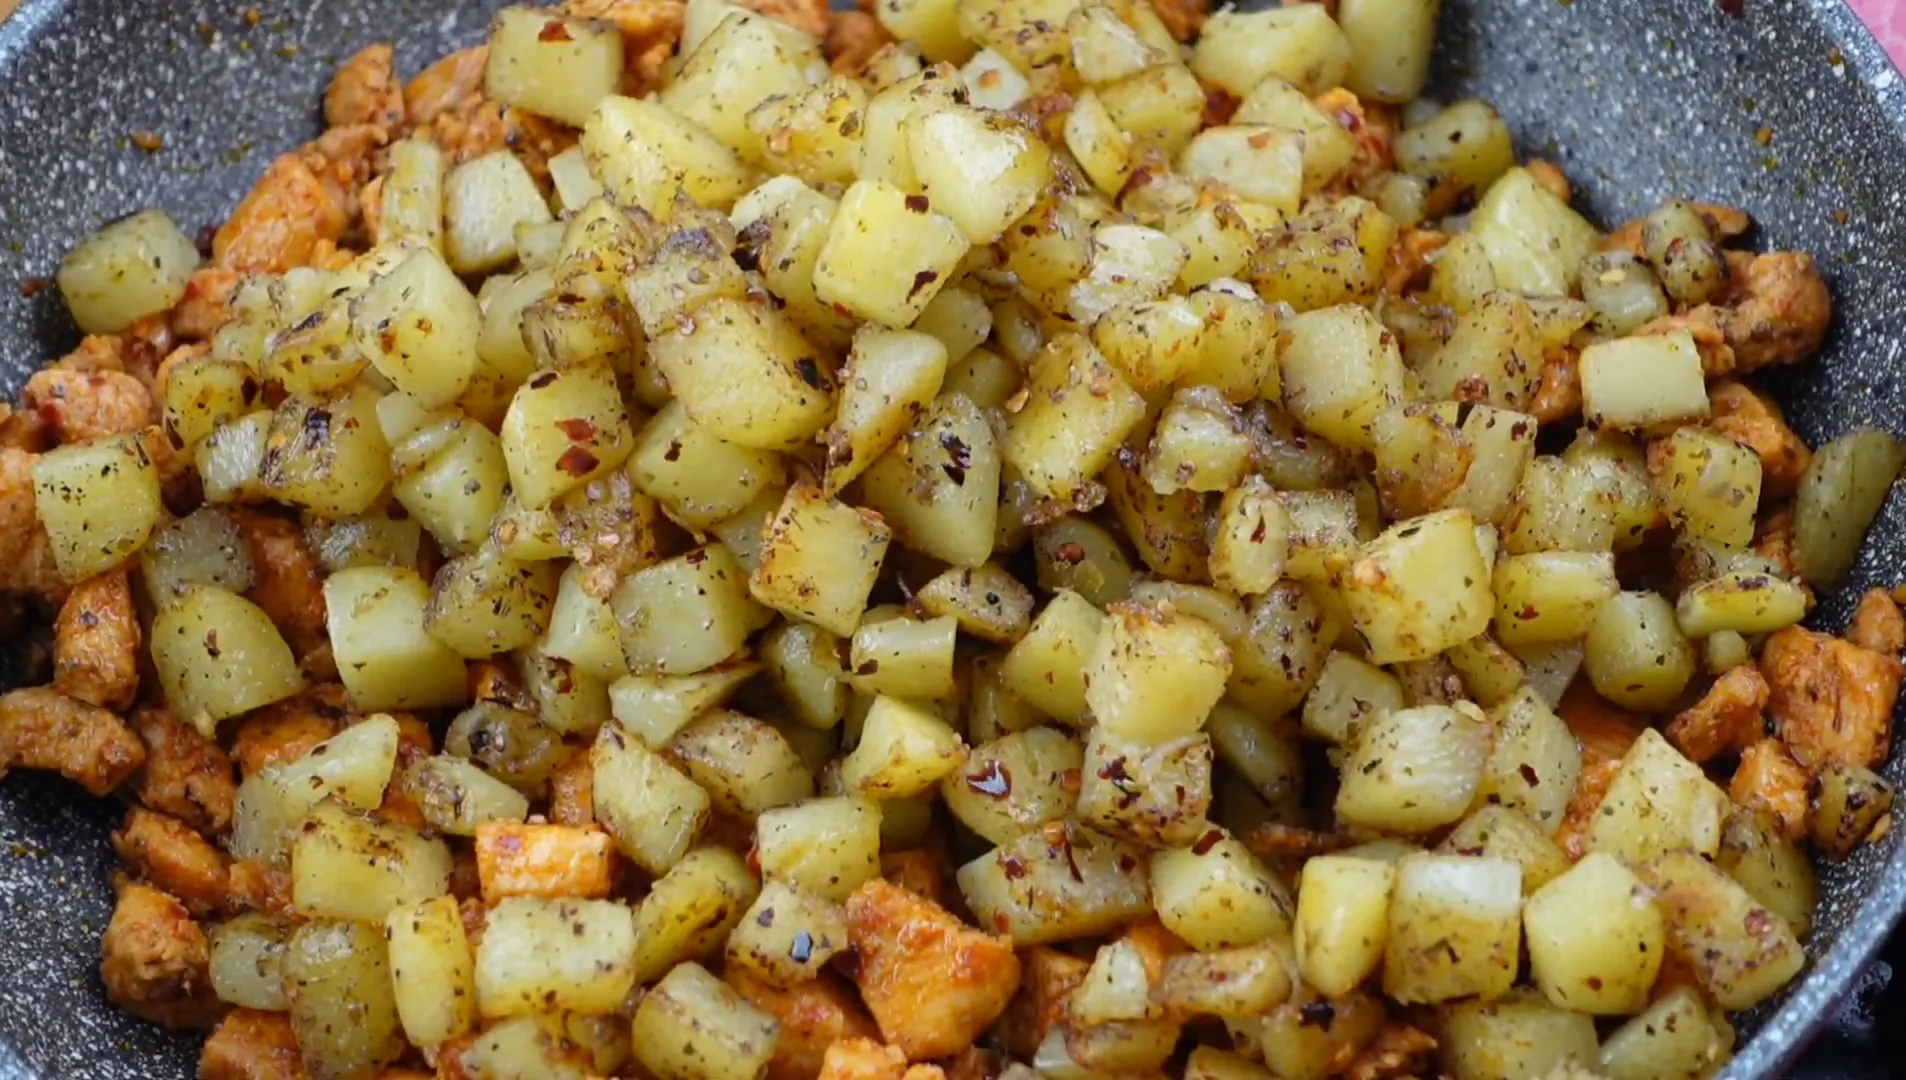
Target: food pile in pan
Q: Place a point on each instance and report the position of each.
(975, 538)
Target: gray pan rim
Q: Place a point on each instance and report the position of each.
(1780, 1038)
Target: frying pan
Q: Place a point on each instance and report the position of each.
(1786, 108)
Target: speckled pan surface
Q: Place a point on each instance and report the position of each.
(1636, 98)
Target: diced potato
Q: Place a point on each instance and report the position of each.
(1300, 44)
(1462, 150)
(1551, 596)
(538, 955)
(1215, 894)
(1168, 530)
(452, 479)
(903, 751)
(654, 707)
(1251, 538)
(1390, 44)
(228, 460)
(890, 286)
(1659, 801)
(1534, 241)
(938, 488)
(788, 935)
(1228, 982)
(1340, 368)
(387, 660)
(135, 267)
(485, 199)
(568, 701)
(747, 59)
(1057, 884)
(1419, 588)
(1297, 1041)
(455, 796)
(1210, 1063)
(1102, 149)
(1264, 756)
(1153, 676)
(343, 1008)
(827, 846)
(555, 67)
(1343, 911)
(1840, 494)
(1347, 692)
(1493, 356)
(820, 559)
(1851, 802)
(1199, 445)
(1595, 938)
(746, 374)
(653, 811)
(218, 655)
(1455, 928)
(690, 911)
(582, 628)
(1152, 794)
(98, 501)
(1013, 784)
(744, 764)
(1635, 653)
(1334, 254)
(981, 170)
(247, 961)
(344, 866)
(513, 745)
(687, 614)
(413, 196)
(1756, 852)
(1674, 1037)
(200, 393)
(905, 658)
(1130, 264)
(1413, 770)
(1276, 664)
(355, 766)
(987, 600)
(1740, 952)
(1534, 761)
(419, 326)
(646, 155)
(1741, 602)
(1501, 445)
(1710, 487)
(1262, 164)
(1643, 382)
(804, 663)
(692, 1026)
(890, 377)
(484, 604)
(1519, 1034)
(564, 429)
(699, 478)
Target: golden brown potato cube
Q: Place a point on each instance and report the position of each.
(1152, 344)
(1848, 806)
(827, 846)
(820, 560)
(1047, 668)
(484, 200)
(1492, 357)
(1078, 412)
(1015, 783)
(788, 935)
(1340, 368)
(691, 910)
(687, 614)
(552, 66)
(987, 600)
(1333, 254)
(1215, 894)
(653, 811)
(564, 429)
(745, 60)
(1199, 445)
(1551, 596)
(1518, 1034)
(1710, 487)
(1533, 240)
(1278, 661)
(746, 373)
(1153, 676)
(1595, 938)
(903, 751)
(1056, 883)
(1534, 760)
(1300, 44)
(485, 604)
(344, 866)
(698, 477)
(433, 970)
(813, 132)
(1643, 383)
(692, 1026)
(1676, 1036)
(1156, 795)
(1741, 953)
(982, 170)
(646, 154)
(744, 764)
(1455, 928)
(1343, 912)
(1261, 163)
(890, 377)
(1130, 264)
(1659, 801)
(939, 487)
(1419, 588)
(536, 955)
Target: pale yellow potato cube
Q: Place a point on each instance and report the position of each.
(1130, 264)
(218, 655)
(746, 373)
(1340, 368)
(1251, 538)
(692, 1026)
(903, 751)
(1064, 881)
(1595, 938)
(374, 617)
(746, 60)
(687, 614)
(1200, 444)
(653, 811)
(1095, 140)
(552, 66)
(1635, 653)
(1659, 801)
(345, 866)
(484, 200)
(820, 559)
(1343, 916)
(646, 154)
(654, 707)
(1047, 668)
(892, 281)
(134, 267)
(1215, 894)
(827, 846)
(1533, 240)
(1535, 760)
(1077, 413)
(1455, 928)
(433, 970)
(540, 955)
(691, 910)
(905, 658)
(1348, 691)
(1710, 487)
(1517, 1034)
(982, 170)
(890, 377)
(1551, 596)
(938, 487)
(1419, 588)
(98, 501)
(1153, 676)
(1262, 164)
(1299, 43)
(1643, 383)
(699, 478)
(1414, 770)
(564, 429)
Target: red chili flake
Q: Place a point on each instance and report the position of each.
(1758, 921)
(921, 280)
(542, 379)
(32, 287)
(211, 644)
(554, 30)
(1206, 842)
(1733, 9)
(1012, 868)
(577, 429)
(918, 204)
(1072, 552)
(577, 462)
(1529, 776)
(993, 779)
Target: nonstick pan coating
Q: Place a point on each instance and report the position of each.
(1637, 99)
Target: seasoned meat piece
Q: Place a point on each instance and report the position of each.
(1590, 786)
(281, 222)
(650, 29)
(853, 37)
(286, 730)
(365, 90)
(1831, 700)
(1751, 418)
(1399, 1051)
(256, 886)
(1724, 222)
(932, 982)
(206, 305)
(572, 798)
(1877, 624)
(813, 1016)
(1182, 17)
(96, 643)
(1783, 314)
(1559, 396)
(1707, 324)
(154, 961)
(865, 1059)
(287, 581)
(252, 1045)
(1773, 537)
(26, 555)
(187, 775)
(1046, 986)
(80, 406)
(917, 870)
(173, 858)
(41, 728)
(1768, 778)
(1726, 720)
(1604, 730)
(807, 16)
